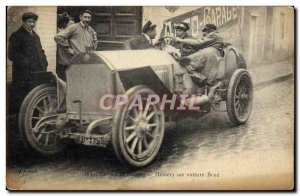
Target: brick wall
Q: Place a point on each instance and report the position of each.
(45, 28)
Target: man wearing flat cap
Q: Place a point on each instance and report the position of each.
(143, 41)
(210, 39)
(26, 53)
(79, 37)
(206, 61)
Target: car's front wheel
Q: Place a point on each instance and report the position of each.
(138, 132)
(37, 121)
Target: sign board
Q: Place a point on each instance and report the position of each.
(222, 16)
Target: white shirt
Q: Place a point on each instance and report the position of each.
(30, 31)
(148, 38)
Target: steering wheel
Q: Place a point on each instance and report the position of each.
(167, 47)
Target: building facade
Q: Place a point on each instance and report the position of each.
(262, 34)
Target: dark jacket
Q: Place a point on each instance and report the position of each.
(137, 43)
(26, 53)
(212, 40)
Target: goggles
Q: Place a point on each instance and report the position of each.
(180, 26)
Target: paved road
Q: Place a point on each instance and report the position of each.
(206, 151)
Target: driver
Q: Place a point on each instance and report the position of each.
(181, 29)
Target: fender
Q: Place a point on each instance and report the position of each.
(49, 77)
(239, 57)
(42, 77)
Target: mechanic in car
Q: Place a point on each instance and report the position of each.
(143, 41)
(206, 61)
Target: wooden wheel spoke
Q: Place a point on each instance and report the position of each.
(136, 113)
(52, 131)
(134, 145)
(129, 138)
(145, 111)
(145, 142)
(237, 103)
(150, 135)
(140, 148)
(150, 115)
(51, 104)
(238, 89)
(45, 104)
(37, 117)
(152, 125)
(39, 137)
(47, 139)
(140, 112)
(131, 118)
(240, 109)
(39, 109)
(130, 127)
(41, 134)
(49, 99)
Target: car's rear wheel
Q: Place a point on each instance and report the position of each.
(37, 121)
(137, 132)
(239, 97)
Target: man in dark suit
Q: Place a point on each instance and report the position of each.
(143, 41)
(26, 53)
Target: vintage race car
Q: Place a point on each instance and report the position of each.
(87, 108)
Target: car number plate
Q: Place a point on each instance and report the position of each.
(90, 140)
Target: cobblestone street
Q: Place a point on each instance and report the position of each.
(209, 150)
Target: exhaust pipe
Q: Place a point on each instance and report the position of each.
(195, 101)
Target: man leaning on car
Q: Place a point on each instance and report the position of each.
(79, 37)
(143, 41)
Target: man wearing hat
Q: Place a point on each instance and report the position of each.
(62, 56)
(79, 37)
(210, 39)
(26, 53)
(143, 41)
(181, 29)
(206, 62)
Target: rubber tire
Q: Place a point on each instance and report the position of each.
(24, 129)
(117, 142)
(233, 117)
